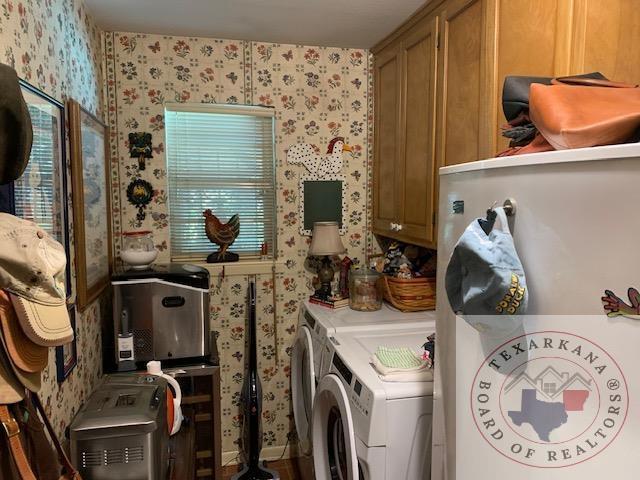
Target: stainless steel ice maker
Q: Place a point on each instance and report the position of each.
(166, 309)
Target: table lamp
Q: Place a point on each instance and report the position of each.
(325, 243)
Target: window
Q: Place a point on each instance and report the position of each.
(220, 157)
(549, 388)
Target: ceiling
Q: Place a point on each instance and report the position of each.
(337, 23)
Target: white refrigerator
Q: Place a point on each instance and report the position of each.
(559, 396)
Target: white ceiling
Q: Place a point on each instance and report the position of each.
(338, 23)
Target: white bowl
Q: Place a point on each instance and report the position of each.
(139, 260)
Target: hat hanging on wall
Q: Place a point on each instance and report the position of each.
(140, 147)
(485, 278)
(16, 134)
(32, 271)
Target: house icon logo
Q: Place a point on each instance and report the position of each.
(549, 399)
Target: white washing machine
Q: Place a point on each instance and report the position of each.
(315, 324)
(364, 428)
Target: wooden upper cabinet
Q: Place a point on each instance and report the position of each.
(438, 87)
(533, 40)
(404, 166)
(386, 178)
(464, 81)
(419, 56)
(606, 37)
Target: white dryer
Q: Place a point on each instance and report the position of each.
(315, 325)
(365, 428)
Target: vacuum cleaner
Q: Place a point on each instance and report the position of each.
(253, 468)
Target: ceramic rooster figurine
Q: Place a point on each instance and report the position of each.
(318, 165)
(223, 235)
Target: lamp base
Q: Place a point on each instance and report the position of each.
(325, 276)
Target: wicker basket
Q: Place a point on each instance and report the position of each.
(412, 295)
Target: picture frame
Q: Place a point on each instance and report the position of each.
(322, 200)
(91, 199)
(67, 355)
(41, 193)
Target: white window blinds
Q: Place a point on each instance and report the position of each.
(220, 157)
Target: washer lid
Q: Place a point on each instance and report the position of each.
(333, 433)
(303, 387)
(357, 348)
(345, 319)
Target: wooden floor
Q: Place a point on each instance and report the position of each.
(286, 468)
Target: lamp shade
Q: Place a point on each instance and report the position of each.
(326, 239)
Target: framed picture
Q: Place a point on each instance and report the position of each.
(67, 355)
(322, 200)
(91, 203)
(40, 194)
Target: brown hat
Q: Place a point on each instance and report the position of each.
(11, 390)
(32, 270)
(30, 380)
(16, 133)
(25, 354)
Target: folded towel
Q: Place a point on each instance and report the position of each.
(398, 358)
(401, 365)
(424, 375)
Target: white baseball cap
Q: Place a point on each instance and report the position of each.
(32, 270)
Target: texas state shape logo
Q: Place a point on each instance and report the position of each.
(549, 399)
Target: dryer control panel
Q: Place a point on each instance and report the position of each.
(360, 396)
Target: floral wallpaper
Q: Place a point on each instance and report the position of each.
(54, 45)
(318, 93)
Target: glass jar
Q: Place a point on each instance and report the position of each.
(364, 292)
(138, 249)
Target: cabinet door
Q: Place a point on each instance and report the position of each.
(606, 39)
(386, 178)
(533, 40)
(418, 193)
(465, 86)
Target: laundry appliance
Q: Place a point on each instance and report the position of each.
(315, 324)
(576, 233)
(365, 428)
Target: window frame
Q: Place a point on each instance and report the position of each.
(226, 109)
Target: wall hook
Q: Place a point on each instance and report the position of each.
(509, 206)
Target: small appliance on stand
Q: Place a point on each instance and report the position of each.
(161, 313)
(252, 405)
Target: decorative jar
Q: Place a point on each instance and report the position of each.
(364, 293)
(138, 249)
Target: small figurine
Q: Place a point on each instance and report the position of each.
(430, 347)
(223, 235)
(404, 272)
(345, 266)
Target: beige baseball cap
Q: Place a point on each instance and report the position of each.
(32, 268)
